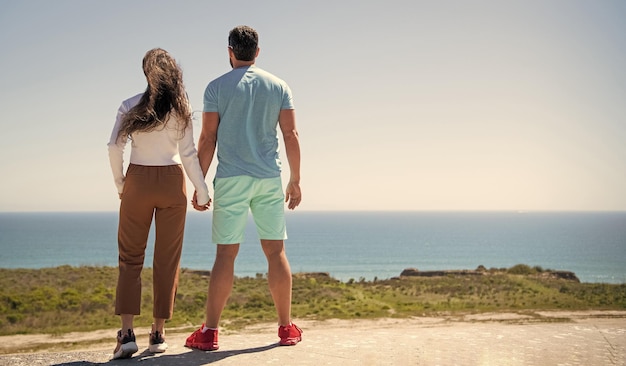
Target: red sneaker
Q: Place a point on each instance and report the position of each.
(289, 335)
(206, 341)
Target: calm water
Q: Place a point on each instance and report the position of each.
(350, 244)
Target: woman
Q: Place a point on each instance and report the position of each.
(158, 124)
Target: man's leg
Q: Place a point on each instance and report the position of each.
(279, 278)
(220, 283)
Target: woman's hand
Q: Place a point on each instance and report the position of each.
(194, 202)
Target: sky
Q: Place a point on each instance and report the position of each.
(400, 105)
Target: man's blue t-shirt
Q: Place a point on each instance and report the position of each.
(249, 101)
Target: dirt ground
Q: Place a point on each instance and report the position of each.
(540, 338)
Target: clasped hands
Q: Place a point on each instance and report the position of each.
(194, 203)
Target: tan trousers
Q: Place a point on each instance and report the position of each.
(149, 191)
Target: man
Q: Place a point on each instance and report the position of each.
(242, 109)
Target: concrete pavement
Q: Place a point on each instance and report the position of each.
(540, 338)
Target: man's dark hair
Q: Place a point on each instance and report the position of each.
(244, 42)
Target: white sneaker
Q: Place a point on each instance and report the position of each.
(126, 345)
(157, 343)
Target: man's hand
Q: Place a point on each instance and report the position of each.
(194, 202)
(293, 195)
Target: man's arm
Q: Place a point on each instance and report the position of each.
(287, 122)
(207, 143)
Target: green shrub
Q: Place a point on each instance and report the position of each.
(57, 300)
(521, 269)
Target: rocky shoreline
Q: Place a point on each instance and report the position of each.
(482, 271)
(479, 271)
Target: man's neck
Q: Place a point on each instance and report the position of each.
(237, 64)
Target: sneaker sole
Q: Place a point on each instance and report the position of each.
(158, 348)
(202, 346)
(126, 351)
(290, 342)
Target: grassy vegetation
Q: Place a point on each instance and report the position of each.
(64, 299)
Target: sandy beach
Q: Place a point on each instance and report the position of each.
(539, 338)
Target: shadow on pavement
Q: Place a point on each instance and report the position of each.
(191, 358)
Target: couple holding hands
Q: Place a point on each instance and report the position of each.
(242, 110)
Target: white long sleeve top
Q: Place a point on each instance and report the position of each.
(164, 145)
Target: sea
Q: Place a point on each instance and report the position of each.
(348, 245)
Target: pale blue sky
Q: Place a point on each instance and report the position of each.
(401, 105)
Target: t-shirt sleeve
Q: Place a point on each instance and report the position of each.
(210, 98)
(287, 98)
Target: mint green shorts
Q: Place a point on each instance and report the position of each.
(235, 196)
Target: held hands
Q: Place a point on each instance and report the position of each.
(293, 196)
(198, 207)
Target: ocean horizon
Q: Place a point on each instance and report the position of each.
(349, 244)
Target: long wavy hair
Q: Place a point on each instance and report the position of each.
(165, 94)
